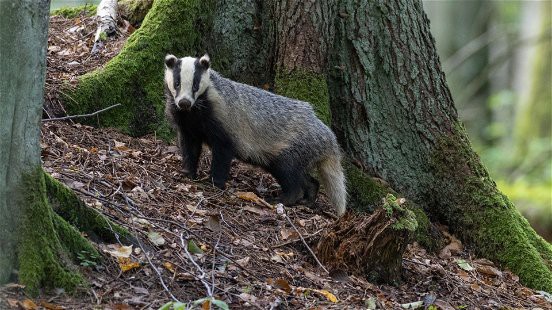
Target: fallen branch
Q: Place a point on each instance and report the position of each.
(80, 115)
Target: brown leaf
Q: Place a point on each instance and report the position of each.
(489, 270)
(206, 305)
(213, 223)
(126, 264)
(287, 233)
(283, 285)
(28, 304)
(169, 266)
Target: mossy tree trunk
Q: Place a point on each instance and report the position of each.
(37, 245)
(393, 112)
(304, 32)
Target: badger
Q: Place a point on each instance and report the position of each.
(281, 135)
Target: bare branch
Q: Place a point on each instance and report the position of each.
(81, 115)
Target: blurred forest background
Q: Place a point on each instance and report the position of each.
(497, 56)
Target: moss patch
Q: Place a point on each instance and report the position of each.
(47, 242)
(134, 78)
(482, 216)
(87, 10)
(67, 205)
(306, 86)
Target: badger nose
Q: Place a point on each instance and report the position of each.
(184, 104)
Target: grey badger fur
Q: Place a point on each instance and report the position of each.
(235, 120)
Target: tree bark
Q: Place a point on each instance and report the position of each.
(304, 32)
(36, 244)
(394, 115)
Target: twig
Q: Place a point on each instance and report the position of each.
(202, 274)
(80, 115)
(156, 271)
(305, 243)
(295, 240)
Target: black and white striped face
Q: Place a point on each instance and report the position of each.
(187, 78)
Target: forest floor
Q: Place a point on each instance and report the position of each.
(196, 240)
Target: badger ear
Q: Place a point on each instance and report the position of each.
(205, 61)
(170, 61)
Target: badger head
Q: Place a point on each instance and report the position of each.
(187, 78)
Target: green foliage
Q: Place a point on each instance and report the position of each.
(86, 10)
(88, 259)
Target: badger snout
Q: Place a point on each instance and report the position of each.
(184, 104)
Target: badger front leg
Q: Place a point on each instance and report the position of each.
(190, 148)
(220, 164)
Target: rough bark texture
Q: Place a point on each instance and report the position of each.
(370, 246)
(393, 113)
(304, 32)
(241, 40)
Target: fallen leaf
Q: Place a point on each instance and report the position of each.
(213, 223)
(489, 270)
(277, 259)
(287, 233)
(329, 296)
(249, 196)
(443, 305)
(195, 210)
(282, 284)
(119, 251)
(156, 238)
(28, 304)
(169, 266)
(255, 210)
(120, 146)
(193, 248)
(464, 265)
(370, 303)
(126, 264)
(243, 261)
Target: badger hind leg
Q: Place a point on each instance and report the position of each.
(291, 179)
(310, 189)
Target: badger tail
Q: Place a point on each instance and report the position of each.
(333, 180)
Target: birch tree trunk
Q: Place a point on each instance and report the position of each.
(393, 113)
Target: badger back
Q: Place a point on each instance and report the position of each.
(264, 123)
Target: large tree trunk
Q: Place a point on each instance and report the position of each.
(36, 244)
(393, 113)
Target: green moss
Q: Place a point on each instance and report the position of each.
(47, 242)
(67, 205)
(484, 217)
(134, 10)
(86, 10)
(406, 219)
(306, 86)
(134, 78)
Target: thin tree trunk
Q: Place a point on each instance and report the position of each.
(394, 115)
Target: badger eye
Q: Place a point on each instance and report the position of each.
(177, 84)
